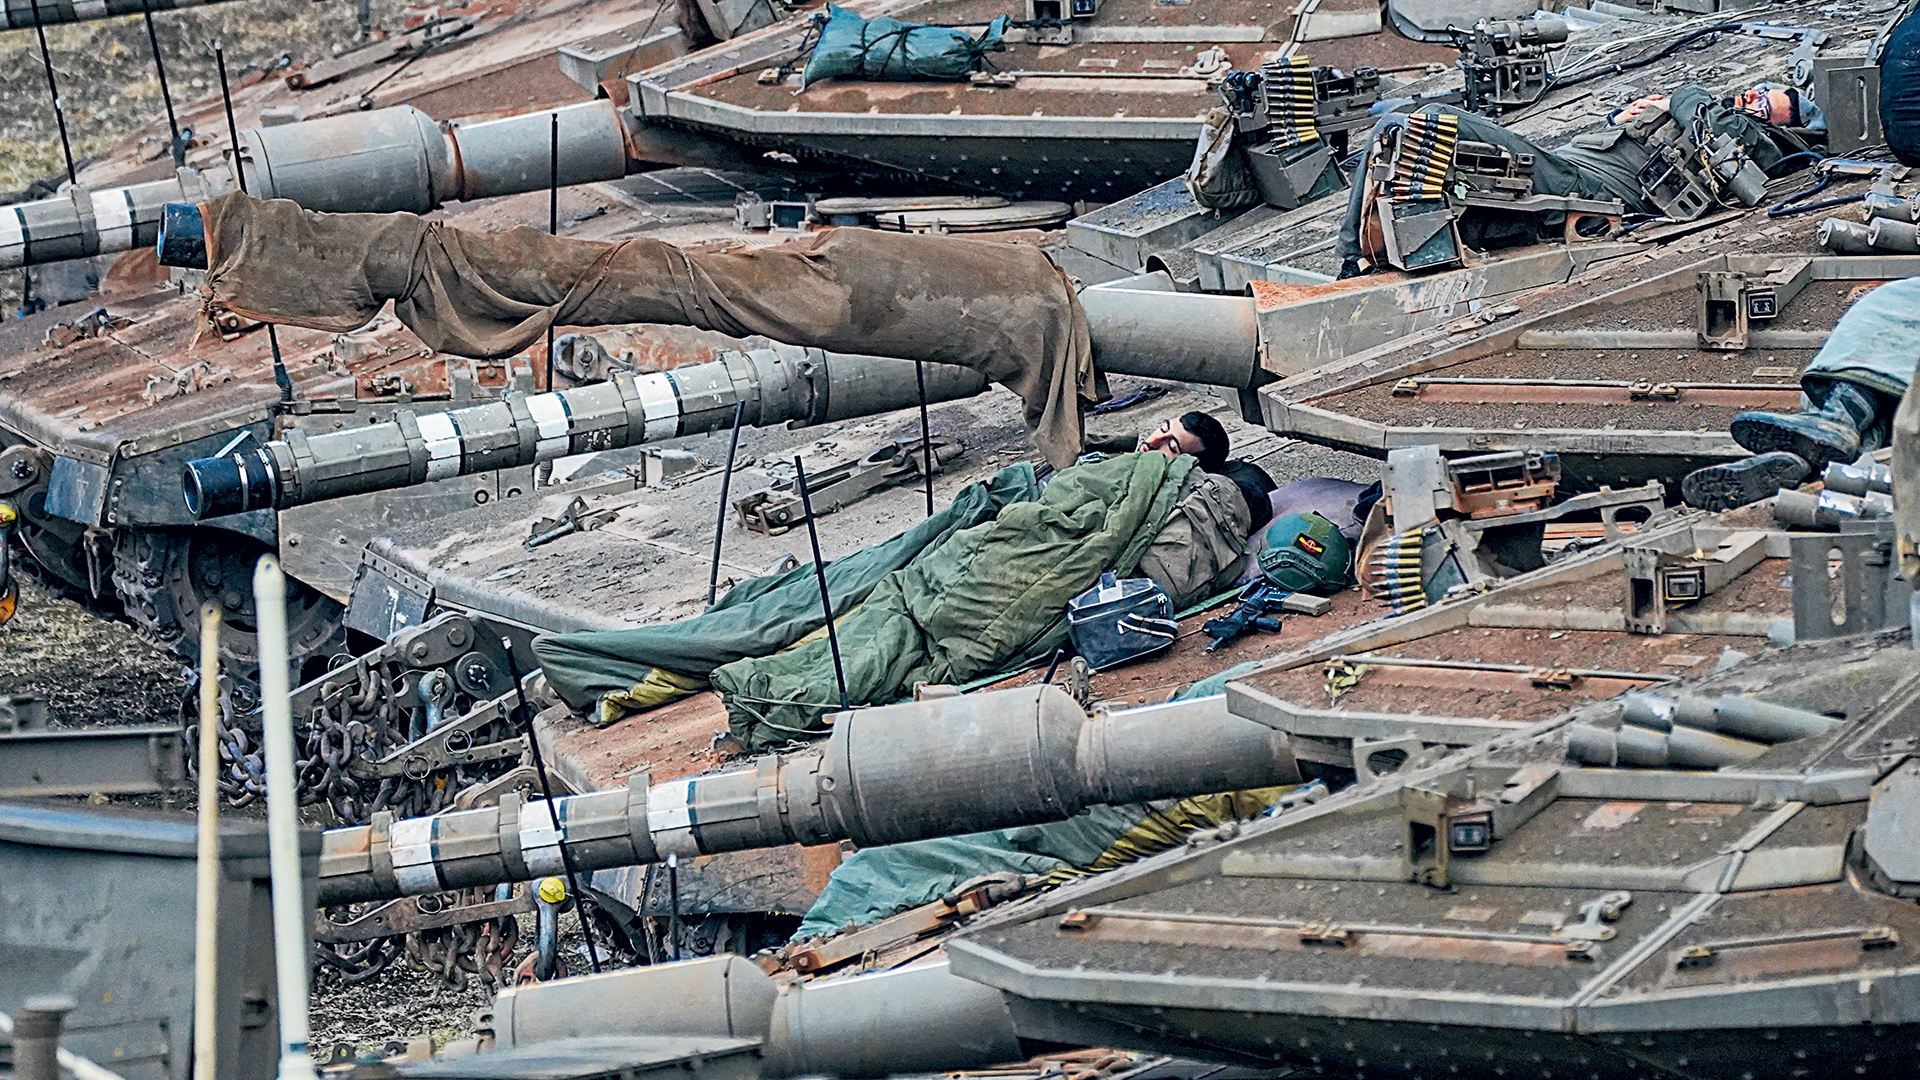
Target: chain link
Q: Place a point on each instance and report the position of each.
(363, 721)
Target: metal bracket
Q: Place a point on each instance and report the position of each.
(406, 915)
(774, 511)
(1724, 311)
(1668, 575)
(447, 744)
(575, 518)
(1595, 915)
(1845, 584)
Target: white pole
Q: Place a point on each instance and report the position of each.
(207, 915)
(283, 823)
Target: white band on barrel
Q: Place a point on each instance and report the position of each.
(661, 405)
(670, 818)
(113, 217)
(443, 445)
(539, 840)
(549, 412)
(410, 843)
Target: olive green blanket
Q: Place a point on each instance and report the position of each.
(981, 598)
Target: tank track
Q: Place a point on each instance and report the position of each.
(141, 559)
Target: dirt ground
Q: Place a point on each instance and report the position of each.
(91, 671)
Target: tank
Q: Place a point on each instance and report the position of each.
(1611, 857)
(1374, 365)
(78, 440)
(133, 390)
(132, 423)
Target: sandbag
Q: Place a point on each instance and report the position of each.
(855, 48)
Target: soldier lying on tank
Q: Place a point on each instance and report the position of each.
(1201, 435)
(1194, 433)
(1604, 164)
(1849, 392)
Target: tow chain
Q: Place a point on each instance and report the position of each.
(403, 729)
(410, 695)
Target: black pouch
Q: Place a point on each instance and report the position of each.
(1117, 621)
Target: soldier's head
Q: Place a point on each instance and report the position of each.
(1193, 433)
(1776, 104)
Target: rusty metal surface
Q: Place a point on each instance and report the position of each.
(1751, 939)
(1524, 404)
(1624, 833)
(1079, 80)
(898, 939)
(1494, 390)
(1489, 940)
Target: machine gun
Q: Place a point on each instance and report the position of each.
(1429, 177)
(1505, 62)
(1260, 607)
(1299, 120)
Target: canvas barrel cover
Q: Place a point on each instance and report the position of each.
(1000, 309)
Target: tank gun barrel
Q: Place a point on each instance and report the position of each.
(388, 160)
(1204, 339)
(902, 772)
(775, 386)
(59, 12)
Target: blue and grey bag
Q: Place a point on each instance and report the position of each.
(1117, 621)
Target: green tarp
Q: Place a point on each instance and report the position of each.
(981, 598)
(756, 617)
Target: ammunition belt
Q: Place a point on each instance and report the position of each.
(1292, 105)
(1423, 161)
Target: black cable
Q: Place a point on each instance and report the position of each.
(673, 903)
(1053, 666)
(820, 572)
(553, 221)
(280, 376)
(1791, 206)
(1629, 65)
(1815, 155)
(726, 484)
(53, 91)
(926, 438)
(178, 147)
(553, 812)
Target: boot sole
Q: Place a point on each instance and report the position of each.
(1727, 487)
(1764, 438)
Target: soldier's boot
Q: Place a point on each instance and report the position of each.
(1829, 431)
(1737, 483)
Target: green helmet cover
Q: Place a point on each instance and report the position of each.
(1307, 553)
